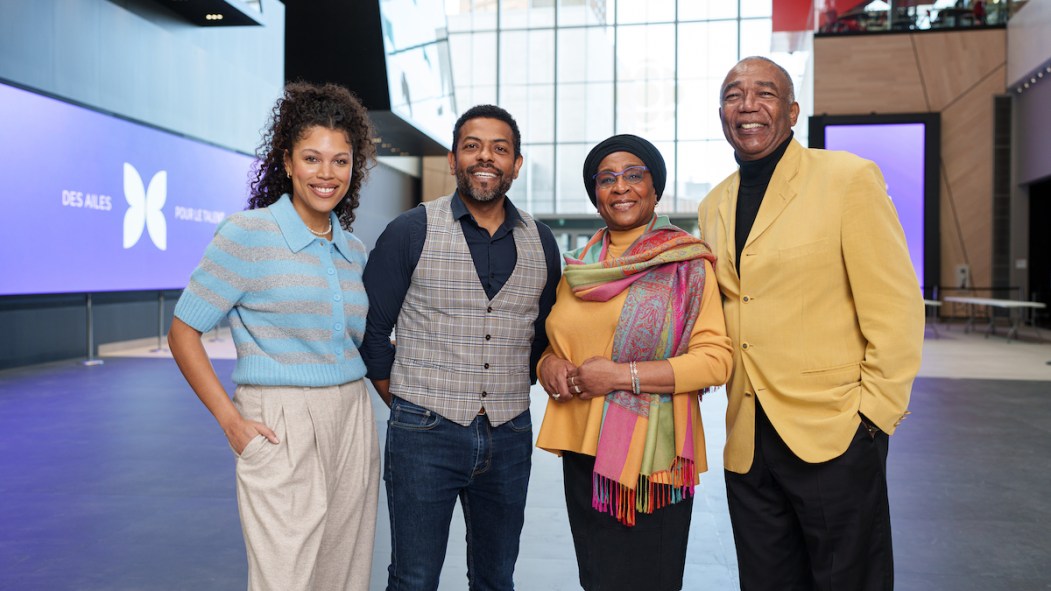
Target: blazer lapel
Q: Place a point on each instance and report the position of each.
(727, 213)
(779, 193)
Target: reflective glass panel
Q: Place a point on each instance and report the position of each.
(585, 112)
(534, 190)
(750, 8)
(470, 15)
(527, 14)
(645, 11)
(702, 165)
(585, 54)
(571, 196)
(706, 9)
(586, 12)
(532, 106)
(707, 50)
(647, 108)
(755, 37)
(527, 57)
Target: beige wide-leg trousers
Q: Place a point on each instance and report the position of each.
(308, 503)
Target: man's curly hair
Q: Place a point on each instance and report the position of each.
(304, 106)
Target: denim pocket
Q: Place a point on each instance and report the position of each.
(406, 415)
(522, 422)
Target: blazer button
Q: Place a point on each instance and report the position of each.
(744, 345)
(745, 298)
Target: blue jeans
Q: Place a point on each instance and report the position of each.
(430, 463)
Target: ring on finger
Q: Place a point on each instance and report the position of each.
(576, 389)
(556, 395)
(572, 381)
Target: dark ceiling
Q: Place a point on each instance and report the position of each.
(336, 41)
(215, 13)
(341, 41)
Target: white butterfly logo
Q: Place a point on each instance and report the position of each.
(144, 208)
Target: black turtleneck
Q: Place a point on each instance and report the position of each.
(755, 177)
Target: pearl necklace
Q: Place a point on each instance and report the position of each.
(322, 233)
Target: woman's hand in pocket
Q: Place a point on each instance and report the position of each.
(241, 431)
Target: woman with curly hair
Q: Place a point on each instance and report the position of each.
(287, 274)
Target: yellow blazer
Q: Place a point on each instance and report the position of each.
(827, 316)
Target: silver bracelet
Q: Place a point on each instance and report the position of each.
(635, 386)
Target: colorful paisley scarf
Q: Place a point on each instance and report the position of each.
(645, 449)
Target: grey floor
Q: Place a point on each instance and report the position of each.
(115, 478)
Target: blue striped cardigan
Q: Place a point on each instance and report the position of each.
(296, 303)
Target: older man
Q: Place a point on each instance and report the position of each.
(826, 317)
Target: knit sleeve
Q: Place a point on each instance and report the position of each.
(218, 282)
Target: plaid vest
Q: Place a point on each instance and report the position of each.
(457, 350)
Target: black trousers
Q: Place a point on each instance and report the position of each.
(649, 556)
(801, 526)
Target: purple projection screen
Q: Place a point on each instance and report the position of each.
(906, 151)
(95, 203)
(898, 151)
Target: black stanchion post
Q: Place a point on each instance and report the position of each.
(91, 359)
(160, 324)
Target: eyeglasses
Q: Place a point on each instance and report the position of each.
(632, 174)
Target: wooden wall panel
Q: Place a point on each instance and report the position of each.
(956, 74)
(967, 177)
(952, 63)
(866, 74)
(437, 182)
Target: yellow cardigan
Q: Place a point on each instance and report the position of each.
(579, 330)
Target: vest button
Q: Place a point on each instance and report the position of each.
(484, 393)
(487, 337)
(489, 309)
(486, 366)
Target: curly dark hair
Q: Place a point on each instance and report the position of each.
(488, 112)
(303, 106)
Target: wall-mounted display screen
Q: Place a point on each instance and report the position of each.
(906, 148)
(96, 203)
(419, 67)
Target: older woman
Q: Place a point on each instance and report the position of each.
(288, 276)
(636, 332)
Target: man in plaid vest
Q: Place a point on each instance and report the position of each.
(467, 282)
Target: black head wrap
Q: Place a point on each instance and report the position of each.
(647, 152)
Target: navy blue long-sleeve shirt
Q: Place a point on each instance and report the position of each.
(392, 262)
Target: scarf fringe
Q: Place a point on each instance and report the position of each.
(621, 502)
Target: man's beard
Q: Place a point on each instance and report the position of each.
(468, 191)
